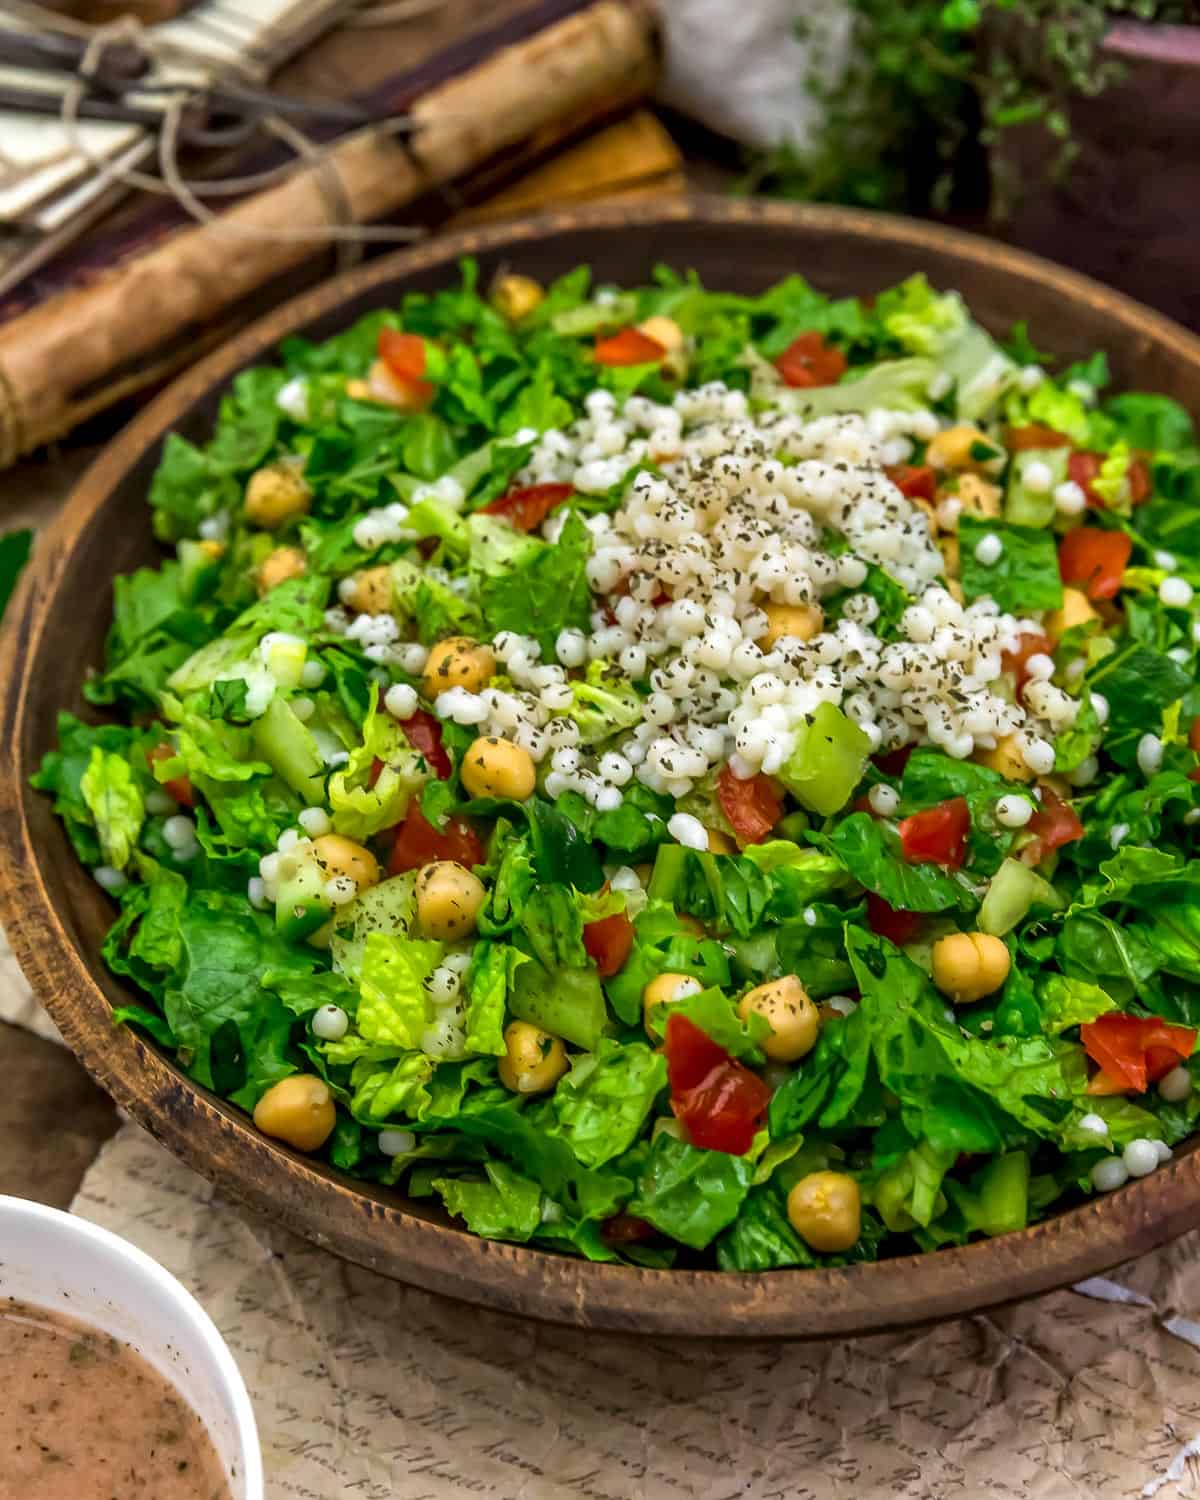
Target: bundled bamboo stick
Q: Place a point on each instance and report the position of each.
(82, 350)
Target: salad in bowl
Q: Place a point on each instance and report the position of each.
(675, 777)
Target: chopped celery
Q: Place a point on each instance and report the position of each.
(1034, 507)
(289, 747)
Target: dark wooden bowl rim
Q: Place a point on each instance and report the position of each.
(377, 1228)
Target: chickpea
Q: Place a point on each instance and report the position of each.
(951, 449)
(969, 965)
(494, 767)
(458, 661)
(282, 564)
(515, 297)
(1007, 758)
(951, 555)
(276, 495)
(802, 621)
(533, 1060)
(1076, 610)
(665, 988)
(298, 1110)
(978, 497)
(664, 331)
(339, 856)
(448, 900)
(368, 591)
(825, 1210)
(785, 1006)
(720, 843)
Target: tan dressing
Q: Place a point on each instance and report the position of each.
(82, 1417)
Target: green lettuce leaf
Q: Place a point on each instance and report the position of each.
(113, 798)
(394, 1008)
(1024, 578)
(603, 1102)
(364, 804)
(688, 1194)
(870, 851)
(493, 966)
(506, 1206)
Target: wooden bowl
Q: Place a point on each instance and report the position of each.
(55, 915)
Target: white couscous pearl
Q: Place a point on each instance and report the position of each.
(884, 800)
(443, 984)
(1140, 1158)
(1109, 1174)
(1150, 755)
(1037, 477)
(688, 831)
(179, 832)
(1175, 1086)
(1100, 705)
(989, 549)
(1094, 1125)
(340, 890)
(330, 1023)
(396, 1142)
(1040, 667)
(1175, 593)
(315, 821)
(256, 891)
(312, 675)
(1014, 811)
(400, 700)
(1085, 772)
(109, 879)
(1038, 755)
(841, 1003)
(1165, 560)
(1069, 499)
(159, 802)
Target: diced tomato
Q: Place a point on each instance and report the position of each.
(629, 347)
(179, 787)
(898, 927)
(1031, 643)
(419, 843)
(1136, 1050)
(526, 508)
(1194, 735)
(1094, 560)
(403, 353)
(1035, 435)
(893, 762)
(719, 1103)
(424, 733)
(608, 942)
(1054, 824)
(809, 360)
(916, 481)
(1083, 467)
(937, 836)
(1103, 1083)
(753, 807)
(626, 1229)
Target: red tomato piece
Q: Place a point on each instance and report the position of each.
(527, 508)
(937, 836)
(1104, 1083)
(1054, 824)
(403, 353)
(893, 762)
(629, 347)
(1122, 1046)
(916, 481)
(418, 842)
(626, 1229)
(1030, 644)
(424, 734)
(1083, 467)
(753, 807)
(719, 1102)
(179, 787)
(691, 1053)
(1035, 435)
(608, 942)
(1194, 735)
(1094, 560)
(898, 927)
(809, 360)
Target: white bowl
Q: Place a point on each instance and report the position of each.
(57, 1261)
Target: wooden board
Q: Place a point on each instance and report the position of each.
(55, 914)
